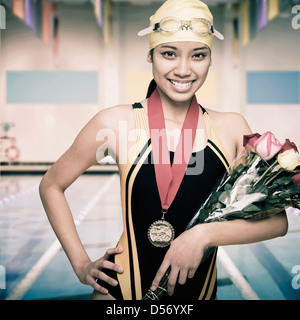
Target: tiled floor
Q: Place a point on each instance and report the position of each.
(37, 268)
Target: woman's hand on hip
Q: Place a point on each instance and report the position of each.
(90, 271)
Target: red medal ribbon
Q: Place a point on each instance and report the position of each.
(168, 178)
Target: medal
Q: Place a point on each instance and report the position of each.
(161, 233)
(168, 178)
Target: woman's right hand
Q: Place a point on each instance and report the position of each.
(91, 271)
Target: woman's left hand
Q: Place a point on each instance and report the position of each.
(183, 256)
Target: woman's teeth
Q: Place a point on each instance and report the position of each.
(181, 85)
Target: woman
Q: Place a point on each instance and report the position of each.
(159, 199)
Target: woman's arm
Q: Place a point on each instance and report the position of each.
(79, 157)
(183, 262)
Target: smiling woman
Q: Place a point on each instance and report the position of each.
(159, 192)
(180, 69)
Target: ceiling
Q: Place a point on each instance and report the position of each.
(147, 2)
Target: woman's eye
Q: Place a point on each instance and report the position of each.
(168, 54)
(199, 55)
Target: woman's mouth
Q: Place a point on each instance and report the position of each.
(181, 85)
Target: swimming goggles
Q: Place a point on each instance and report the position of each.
(171, 25)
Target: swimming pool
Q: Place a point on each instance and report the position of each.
(34, 266)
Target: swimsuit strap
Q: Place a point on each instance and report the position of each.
(214, 140)
(213, 137)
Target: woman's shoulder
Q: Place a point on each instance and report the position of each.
(111, 116)
(232, 126)
(225, 116)
(231, 120)
(118, 111)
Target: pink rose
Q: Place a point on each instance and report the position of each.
(249, 141)
(288, 145)
(296, 178)
(267, 146)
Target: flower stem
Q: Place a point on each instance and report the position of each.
(272, 178)
(267, 171)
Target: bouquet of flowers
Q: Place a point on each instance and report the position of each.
(263, 180)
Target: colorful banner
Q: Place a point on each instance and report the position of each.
(46, 16)
(106, 21)
(273, 9)
(284, 4)
(29, 13)
(235, 24)
(262, 14)
(245, 7)
(55, 33)
(98, 12)
(254, 5)
(18, 8)
(38, 6)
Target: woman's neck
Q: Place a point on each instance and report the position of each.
(174, 110)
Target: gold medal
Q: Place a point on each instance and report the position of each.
(161, 233)
(168, 177)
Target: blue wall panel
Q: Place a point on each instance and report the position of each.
(58, 87)
(273, 87)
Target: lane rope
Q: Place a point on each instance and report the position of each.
(236, 277)
(25, 284)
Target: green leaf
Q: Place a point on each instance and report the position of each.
(227, 186)
(273, 200)
(215, 197)
(284, 181)
(262, 189)
(251, 208)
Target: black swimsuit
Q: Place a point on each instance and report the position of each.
(141, 207)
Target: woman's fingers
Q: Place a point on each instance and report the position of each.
(160, 273)
(95, 270)
(182, 276)
(103, 276)
(105, 264)
(112, 251)
(172, 280)
(92, 282)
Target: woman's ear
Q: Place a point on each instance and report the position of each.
(149, 57)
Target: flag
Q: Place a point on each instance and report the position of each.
(55, 33)
(6, 3)
(235, 24)
(273, 9)
(29, 13)
(38, 9)
(18, 8)
(98, 11)
(245, 22)
(284, 4)
(236, 32)
(253, 18)
(106, 21)
(46, 16)
(262, 14)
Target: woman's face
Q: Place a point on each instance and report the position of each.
(180, 68)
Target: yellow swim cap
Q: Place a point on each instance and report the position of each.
(181, 20)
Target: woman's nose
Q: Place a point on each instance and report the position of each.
(183, 68)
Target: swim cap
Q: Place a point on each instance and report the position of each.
(184, 11)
